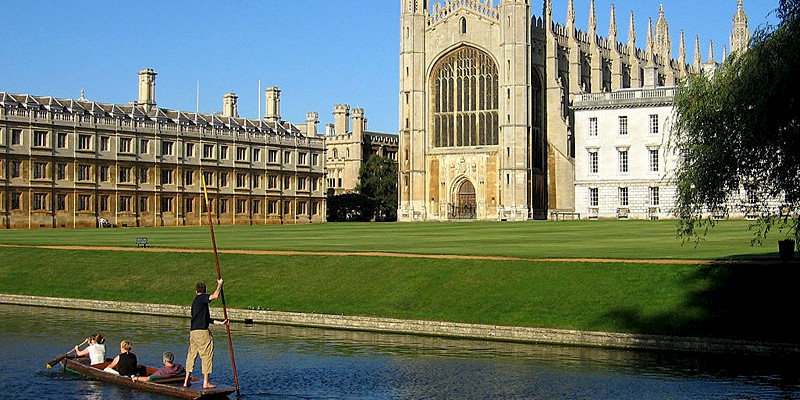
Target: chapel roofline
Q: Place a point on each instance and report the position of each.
(659, 47)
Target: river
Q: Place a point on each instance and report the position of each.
(277, 362)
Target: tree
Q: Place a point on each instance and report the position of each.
(739, 126)
(378, 182)
(350, 207)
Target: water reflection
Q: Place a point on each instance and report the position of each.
(278, 362)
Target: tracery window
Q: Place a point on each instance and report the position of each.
(464, 97)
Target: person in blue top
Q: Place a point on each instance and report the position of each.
(201, 341)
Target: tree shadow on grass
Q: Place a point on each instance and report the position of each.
(756, 301)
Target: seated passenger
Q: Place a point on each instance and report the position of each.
(125, 363)
(169, 369)
(96, 350)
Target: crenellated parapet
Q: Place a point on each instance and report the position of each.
(440, 11)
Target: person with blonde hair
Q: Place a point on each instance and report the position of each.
(96, 350)
(125, 363)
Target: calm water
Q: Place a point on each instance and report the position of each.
(298, 363)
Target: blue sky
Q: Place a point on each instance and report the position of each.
(319, 52)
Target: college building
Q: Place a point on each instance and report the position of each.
(622, 159)
(489, 103)
(79, 163)
(349, 148)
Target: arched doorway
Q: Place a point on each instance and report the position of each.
(464, 207)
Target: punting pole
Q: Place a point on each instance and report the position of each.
(222, 290)
(53, 363)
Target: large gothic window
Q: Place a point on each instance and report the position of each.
(464, 96)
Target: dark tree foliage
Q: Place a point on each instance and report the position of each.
(350, 207)
(378, 181)
(740, 127)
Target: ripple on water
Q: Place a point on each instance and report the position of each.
(277, 362)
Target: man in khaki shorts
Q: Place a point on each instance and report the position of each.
(201, 342)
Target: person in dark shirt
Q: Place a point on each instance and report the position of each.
(201, 341)
(125, 363)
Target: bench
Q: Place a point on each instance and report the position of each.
(141, 242)
(562, 215)
(652, 213)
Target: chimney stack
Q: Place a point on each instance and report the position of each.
(273, 103)
(229, 107)
(147, 89)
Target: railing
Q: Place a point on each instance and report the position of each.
(461, 211)
(661, 94)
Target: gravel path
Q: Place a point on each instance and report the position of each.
(386, 254)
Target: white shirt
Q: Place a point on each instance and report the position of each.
(97, 353)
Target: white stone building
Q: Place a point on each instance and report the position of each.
(625, 167)
(623, 163)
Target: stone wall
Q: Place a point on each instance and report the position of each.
(430, 328)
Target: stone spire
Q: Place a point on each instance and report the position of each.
(711, 52)
(571, 17)
(631, 36)
(592, 22)
(548, 10)
(740, 36)
(682, 52)
(697, 56)
(612, 28)
(649, 43)
(663, 44)
(616, 64)
(633, 57)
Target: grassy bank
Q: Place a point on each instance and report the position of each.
(746, 302)
(592, 239)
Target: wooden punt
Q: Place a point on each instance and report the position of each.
(167, 386)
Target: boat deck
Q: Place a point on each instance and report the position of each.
(168, 386)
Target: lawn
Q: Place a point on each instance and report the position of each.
(592, 239)
(741, 301)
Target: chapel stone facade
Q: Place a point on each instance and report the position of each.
(486, 123)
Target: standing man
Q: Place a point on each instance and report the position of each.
(201, 342)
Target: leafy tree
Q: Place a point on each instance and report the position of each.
(739, 126)
(378, 181)
(350, 207)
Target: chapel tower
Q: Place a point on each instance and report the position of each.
(465, 112)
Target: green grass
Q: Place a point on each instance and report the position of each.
(594, 239)
(747, 302)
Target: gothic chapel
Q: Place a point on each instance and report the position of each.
(486, 125)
